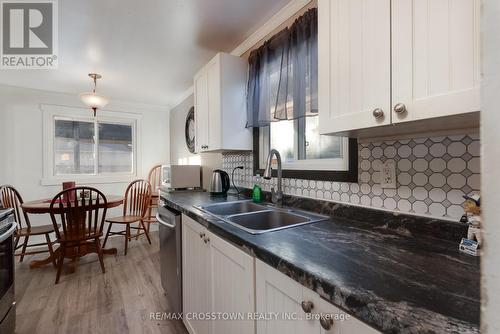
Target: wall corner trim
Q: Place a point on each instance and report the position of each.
(274, 22)
(182, 97)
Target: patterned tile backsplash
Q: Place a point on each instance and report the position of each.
(432, 173)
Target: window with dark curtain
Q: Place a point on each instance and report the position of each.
(283, 74)
(282, 107)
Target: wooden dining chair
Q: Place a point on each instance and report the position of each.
(154, 178)
(82, 222)
(135, 209)
(11, 198)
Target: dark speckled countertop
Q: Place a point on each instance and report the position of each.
(396, 282)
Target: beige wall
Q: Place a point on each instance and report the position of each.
(179, 153)
(490, 183)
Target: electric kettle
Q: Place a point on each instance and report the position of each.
(220, 183)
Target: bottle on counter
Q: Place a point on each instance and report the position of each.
(257, 192)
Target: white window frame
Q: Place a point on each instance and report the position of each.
(53, 112)
(337, 164)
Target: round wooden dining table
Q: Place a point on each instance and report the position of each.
(42, 206)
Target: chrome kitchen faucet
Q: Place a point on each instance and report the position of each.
(277, 196)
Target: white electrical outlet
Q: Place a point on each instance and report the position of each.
(388, 175)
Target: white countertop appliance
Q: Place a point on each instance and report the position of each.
(179, 177)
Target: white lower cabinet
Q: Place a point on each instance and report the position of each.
(195, 276)
(222, 283)
(338, 322)
(232, 287)
(280, 297)
(218, 280)
(277, 293)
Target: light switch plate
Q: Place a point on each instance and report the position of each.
(388, 175)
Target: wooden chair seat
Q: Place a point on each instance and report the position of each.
(124, 219)
(35, 230)
(154, 178)
(135, 206)
(10, 198)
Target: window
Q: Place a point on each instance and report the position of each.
(282, 107)
(302, 147)
(74, 147)
(80, 147)
(115, 148)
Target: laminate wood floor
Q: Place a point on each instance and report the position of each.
(87, 301)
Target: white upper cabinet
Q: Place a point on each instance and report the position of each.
(385, 62)
(354, 64)
(435, 57)
(220, 105)
(201, 110)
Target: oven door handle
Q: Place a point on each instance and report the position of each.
(161, 221)
(7, 234)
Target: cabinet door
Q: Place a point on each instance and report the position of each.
(278, 294)
(232, 290)
(354, 64)
(214, 107)
(201, 111)
(436, 61)
(195, 275)
(335, 321)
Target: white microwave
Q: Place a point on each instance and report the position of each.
(181, 176)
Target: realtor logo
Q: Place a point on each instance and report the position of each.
(29, 34)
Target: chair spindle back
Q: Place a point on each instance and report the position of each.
(81, 217)
(137, 198)
(11, 198)
(154, 178)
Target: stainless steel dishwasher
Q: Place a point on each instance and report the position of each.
(170, 254)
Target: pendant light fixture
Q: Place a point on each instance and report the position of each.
(92, 99)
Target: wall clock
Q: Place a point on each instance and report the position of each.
(189, 130)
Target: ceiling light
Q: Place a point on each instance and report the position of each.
(92, 99)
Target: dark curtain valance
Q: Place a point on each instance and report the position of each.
(283, 74)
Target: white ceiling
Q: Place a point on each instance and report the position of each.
(147, 51)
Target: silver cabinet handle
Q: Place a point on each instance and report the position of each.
(400, 108)
(307, 306)
(378, 113)
(326, 322)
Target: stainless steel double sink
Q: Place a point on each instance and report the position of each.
(259, 218)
